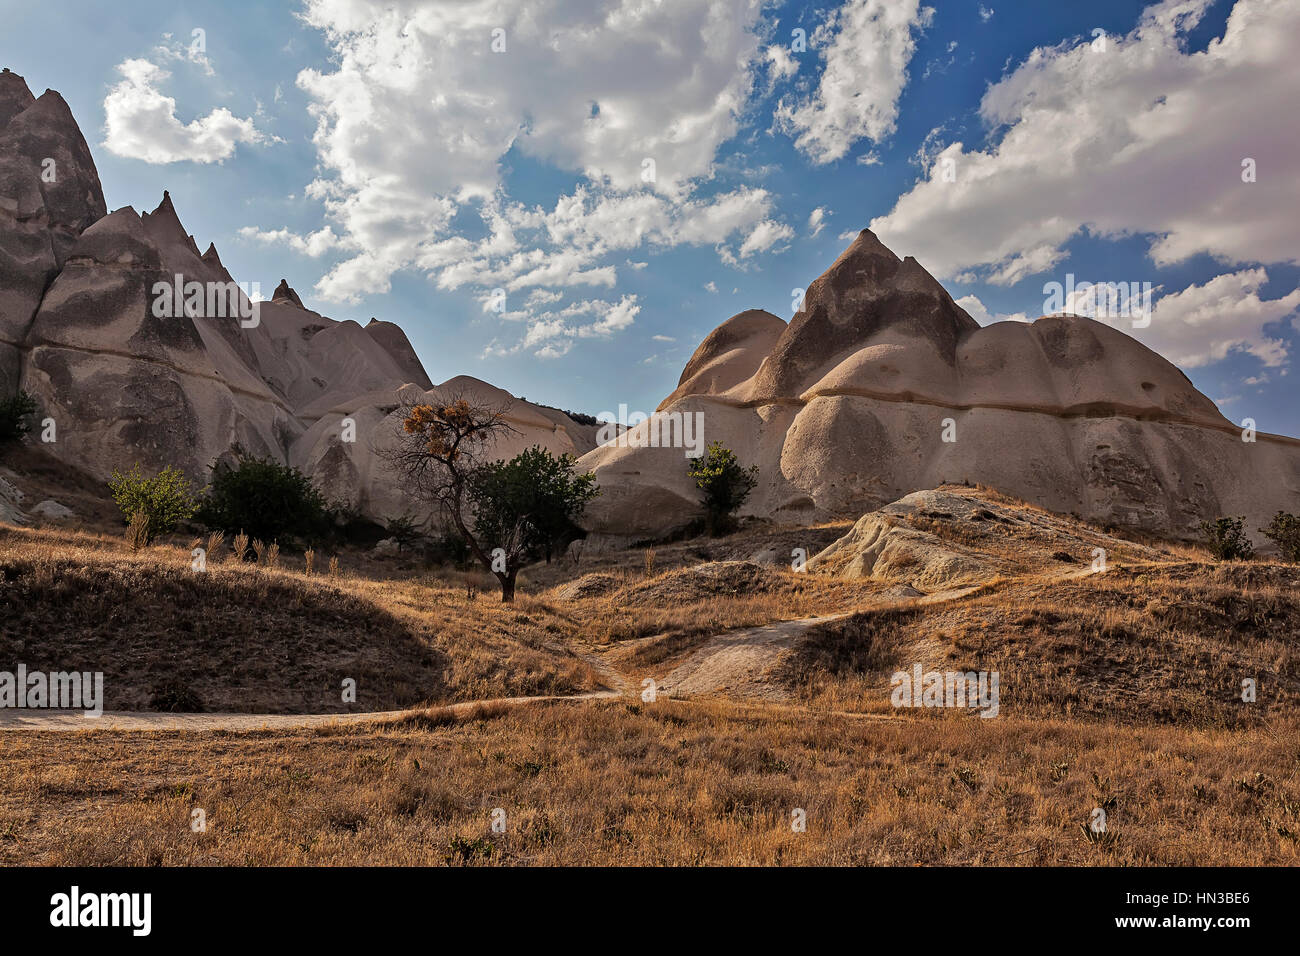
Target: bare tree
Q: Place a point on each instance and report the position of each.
(440, 441)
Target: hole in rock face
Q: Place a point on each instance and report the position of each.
(1148, 386)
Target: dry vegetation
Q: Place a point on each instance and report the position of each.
(1168, 643)
(1119, 690)
(255, 639)
(673, 783)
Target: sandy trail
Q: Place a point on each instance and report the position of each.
(45, 720)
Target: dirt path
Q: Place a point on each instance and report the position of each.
(45, 720)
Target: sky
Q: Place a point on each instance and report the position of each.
(563, 197)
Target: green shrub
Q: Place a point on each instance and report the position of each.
(13, 417)
(449, 548)
(1284, 531)
(725, 483)
(403, 531)
(164, 501)
(1226, 539)
(264, 499)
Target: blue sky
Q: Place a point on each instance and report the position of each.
(389, 162)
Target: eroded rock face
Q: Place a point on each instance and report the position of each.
(49, 192)
(882, 385)
(133, 375)
(947, 538)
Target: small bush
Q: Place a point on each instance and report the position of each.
(1227, 540)
(449, 548)
(165, 500)
(725, 483)
(13, 417)
(175, 696)
(266, 499)
(403, 531)
(1284, 531)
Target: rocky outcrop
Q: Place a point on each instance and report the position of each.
(882, 385)
(97, 326)
(284, 293)
(49, 193)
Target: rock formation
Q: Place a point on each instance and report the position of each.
(129, 375)
(882, 385)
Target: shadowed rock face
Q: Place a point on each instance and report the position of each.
(283, 293)
(847, 409)
(49, 192)
(868, 290)
(729, 355)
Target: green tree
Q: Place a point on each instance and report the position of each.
(725, 483)
(1227, 540)
(13, 417)
(527, 509)
(263, 499)
(1284, 531)
(403, 531)
(165, 500)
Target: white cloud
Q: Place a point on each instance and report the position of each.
(141, 123)
(986, 13)
(764, 236)
(1204, 323)
(816, 221)
(314, 244)
(781, 63)
(980, 313)
(553, 334)
(711, 286)
(663, 338)
(414, 121)
(1141, 138)
(866, 45)
(194, 51)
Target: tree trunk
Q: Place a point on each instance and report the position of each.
(507, 586)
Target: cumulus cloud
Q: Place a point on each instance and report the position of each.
(816, 221)
(866, 46)
(314, 244)
(1204, 323)
(415, 120)
(141, 122)
(1141, 137)
(552, 334)
(981, 314)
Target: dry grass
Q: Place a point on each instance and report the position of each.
(1118, 690)
(1169, 644)
(683, 604)
(257, 639)
(668, 784)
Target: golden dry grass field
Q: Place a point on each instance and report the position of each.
(1120, 691)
